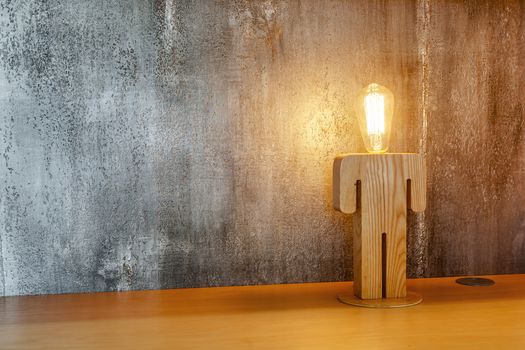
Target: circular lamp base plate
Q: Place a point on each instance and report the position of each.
(388, 303)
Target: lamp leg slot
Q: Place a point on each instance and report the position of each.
(383, 265)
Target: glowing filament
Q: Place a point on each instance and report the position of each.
(375, 113)
(375, 119)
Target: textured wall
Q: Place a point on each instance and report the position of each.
(475, 137)
(152, 144)
(77, 96)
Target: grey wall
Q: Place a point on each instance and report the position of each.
(152, 144)
(475, 137)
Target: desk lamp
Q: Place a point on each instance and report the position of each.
(377, 188)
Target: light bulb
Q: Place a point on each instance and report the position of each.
(375, 107)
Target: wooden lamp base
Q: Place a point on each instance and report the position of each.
(379, 189)
(384, 303)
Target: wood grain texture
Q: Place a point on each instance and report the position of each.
(387, 184)
(304, 316)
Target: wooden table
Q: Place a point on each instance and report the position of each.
(305, 316)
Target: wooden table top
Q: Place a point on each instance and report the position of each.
(301, 316)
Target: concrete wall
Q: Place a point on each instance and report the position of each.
(475, 137)
(164, 144)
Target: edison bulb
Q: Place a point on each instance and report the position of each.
(375, 107)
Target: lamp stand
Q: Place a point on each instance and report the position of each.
(378, 189)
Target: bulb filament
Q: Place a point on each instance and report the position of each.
(375, 119)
